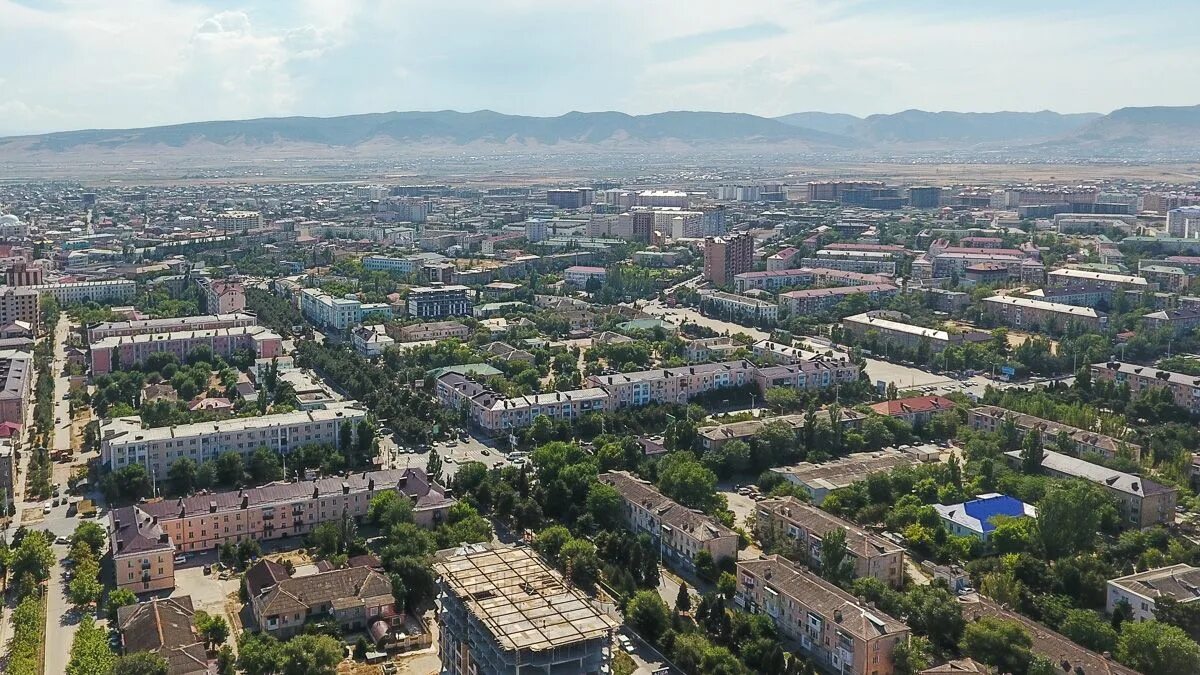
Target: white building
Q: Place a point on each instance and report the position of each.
(85, 291)
(1142, 590)
(579, 275)
(1184, 222)
(371, 341)
(675, 198)
(234, 222)
(341, 313)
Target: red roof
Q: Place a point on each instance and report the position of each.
(915, 404)
(9, 429)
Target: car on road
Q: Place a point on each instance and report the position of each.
(180, 559)
(46, 508)
(60, 539)
(485, 453)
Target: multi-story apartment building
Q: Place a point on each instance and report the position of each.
(21, 274)
(222, 296)
(1141, 501)
(8, 471)
(942, 263)
(890, 328)
(991, 418)
(728, 256)
(130, 349)
(384, 235)
(505, 611)
(1165, 277)
(234, 222)
(772, 280)
(371, 341)
(580, 275)
(815, 300)
(833, 629)
(143, 555)
(1038, 315)
(571, 198)
(436, 330)
(1180, 321)
(406, 265)
(819, 373)
(781, 260)
(679, 532)
(123, 441)
(1068, 277)
(16, 375)
(777, 353)
(89, 291)
(1080, 295)
(739, 307)
(20, 304)
(1184, 222)
(798, 529)
(109, 329)
(818, 480)
(712, 438)
(673, 385)
(1142, 590)
(1185, 389)
(340, 313)
(916, 410)
(496, 413)
(848, 262)
(438, 301)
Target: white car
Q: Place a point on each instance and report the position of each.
(46, 507)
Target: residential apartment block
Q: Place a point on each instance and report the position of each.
(991, 418)
(496, 413)
(1142, 590)
(916, 410)
(1185, 389)
(504, 611)
(84, 291)
(1141, 502)
(143, 555)
(126, 350)
(883, 264)
(222, 296)
(799, 529)
(371, 341)
(805, 276)
(579, 275)
(123, 441)
(739, 307)
(1038, 315)
(1180, 321)
(1067, 277)
(832, 627)
(728, 256)
(817, 300)
(890, 328)
(673, 385)
(20, 304)
(156, 326)
(327, 311)
(679, 532)
(437, 330)
(16, 376)
(438, 301)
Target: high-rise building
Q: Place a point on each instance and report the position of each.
(438, 301)
(924, 196)
(19, 304)
(504, 610)
(1184, 222)
(21, 274)
(728, 256)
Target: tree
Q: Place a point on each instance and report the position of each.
(579, 560)
(550, 541)
(92, 534)
(934, 612)
(140, 663)
(1001, 643)
(706, 567)
(648, 615)
(911, 656)
(248, 549)
(265, 466)
(1184, 615)
(85, 587)
(433, 468)
(90, 653)
(687, 481)
(183, 474)
(230, 469)
(310, 655)
(683, 601)
(604, 505)
(836, 563)
(258, 653)
(212, 628)
(1154, 647)
(727, 585)
(1032, 453)
(1089, 629)
(117, 599)
(1069, 516)
(226, 661)
(389, 508)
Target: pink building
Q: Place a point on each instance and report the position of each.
(130, 349)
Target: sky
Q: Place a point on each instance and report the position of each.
(74, 64)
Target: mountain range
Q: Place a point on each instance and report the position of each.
(1160, 129)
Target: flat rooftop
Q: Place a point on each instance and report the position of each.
(522, 601)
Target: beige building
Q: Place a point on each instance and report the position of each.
(143, 555)
(109, 329)
(802, 528)
(1142, 590)
(1185, 389)
(1039, 315)
(679, 532)
(437, 330)
(728, 256)
(991, 418)
(832, 628)
(20, 304)
(673, 385)
(355, 598)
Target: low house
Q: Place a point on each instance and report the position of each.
(355, 598)
(916, 410)
(977, 517)
(165, 626)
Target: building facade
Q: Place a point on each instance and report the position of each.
(728, 256)
(439, 301)
(112, 352)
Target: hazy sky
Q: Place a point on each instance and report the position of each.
(71, 64)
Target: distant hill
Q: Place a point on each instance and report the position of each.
(945, 128)
(448, 127)
(1152, 127)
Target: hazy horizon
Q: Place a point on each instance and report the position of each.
(135, 63)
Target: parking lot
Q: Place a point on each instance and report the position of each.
(453, 452)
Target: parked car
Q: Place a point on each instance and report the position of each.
(180, 559)
(61, 540)
(46, 508)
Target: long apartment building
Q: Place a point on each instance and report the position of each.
(325, 310)
(673, 385)
(125, 350)
(1039, 315)
(1141, 501)
(819, 373)
(1142, 590)
(891, 328)
(991, 418)
(815, 300)
(805, 276)
(799, 529)
(109, 329)
(679, 532)
(942, 263)
(497, 413)
(740, 307)
(88, 291)
(832, 627)
(1185, 389)
(1068, 277)
(504, 610)
(850, 263)
(712, 438)
(438, 301)
(123, 441)
(436, 330)
(16, 376)
(147, 536)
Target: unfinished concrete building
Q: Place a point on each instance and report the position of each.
(504, 610)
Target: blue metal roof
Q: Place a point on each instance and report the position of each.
(986, 508)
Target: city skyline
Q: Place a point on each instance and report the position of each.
(135, 63)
